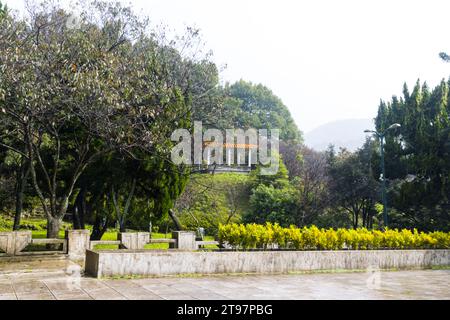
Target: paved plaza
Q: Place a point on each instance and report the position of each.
(59, 280)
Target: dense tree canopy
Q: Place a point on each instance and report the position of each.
(418, 155)
(70, 96)
(87, 108)
(255, 106)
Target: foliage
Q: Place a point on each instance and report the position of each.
(352, 186)
(3, 10)
(255, 106)
(211, 199)
(27, 224)
(444, 56)
(278, 180)
(268, 203)
(418, 156)
(272, 198)
(270, 235)
(308, 175)
(105, 89)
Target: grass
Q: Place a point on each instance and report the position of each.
(42, 234)
(112, 235)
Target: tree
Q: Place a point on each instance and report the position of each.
(418, 156)
(278, 180)
(270, 204)
(3, 10)
(210, 199)
(273, 198)
(352, 185)
(72, 95)
(255, 106)
(444, 56)
(311, 183)
(18, 169)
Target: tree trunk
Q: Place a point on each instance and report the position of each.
(175, 220)
(21, 182)
(18, 213)
(53, 225)
(121, 217)
(355, 219)
(364, 218)
(122, 226)
(79, 210)
(83, 207)
(76, 218)
(99, 228)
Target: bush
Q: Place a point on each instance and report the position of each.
(253, 236)
(212, 199)
(6, 224)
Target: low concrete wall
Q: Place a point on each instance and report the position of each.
(160, 263)
(15, 241)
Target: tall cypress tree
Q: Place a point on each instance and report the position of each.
(418, 156)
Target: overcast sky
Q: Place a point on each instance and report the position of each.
(327, 60)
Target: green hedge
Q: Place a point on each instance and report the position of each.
(254, 236)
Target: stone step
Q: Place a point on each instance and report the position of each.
(36, 267)
(4, 260)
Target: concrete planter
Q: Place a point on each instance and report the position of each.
(161, 263)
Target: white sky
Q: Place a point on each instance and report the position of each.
(327, 60)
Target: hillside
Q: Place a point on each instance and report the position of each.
(347, 133)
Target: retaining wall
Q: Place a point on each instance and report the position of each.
(159, 263)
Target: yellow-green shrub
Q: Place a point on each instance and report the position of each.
(251, 236)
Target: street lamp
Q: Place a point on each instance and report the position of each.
(381, 136)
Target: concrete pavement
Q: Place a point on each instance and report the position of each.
(61, 280)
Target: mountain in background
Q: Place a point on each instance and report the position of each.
(347, 134)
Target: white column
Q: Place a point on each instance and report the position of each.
(249, 157)
(208, 160)
(229, 157)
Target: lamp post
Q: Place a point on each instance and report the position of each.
(381, 138)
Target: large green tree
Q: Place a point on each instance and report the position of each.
(418, 156)
(73, 93)
(352, 187)
(249, 105)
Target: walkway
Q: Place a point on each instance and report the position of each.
(59, 280)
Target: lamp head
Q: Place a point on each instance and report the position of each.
(394, 126)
